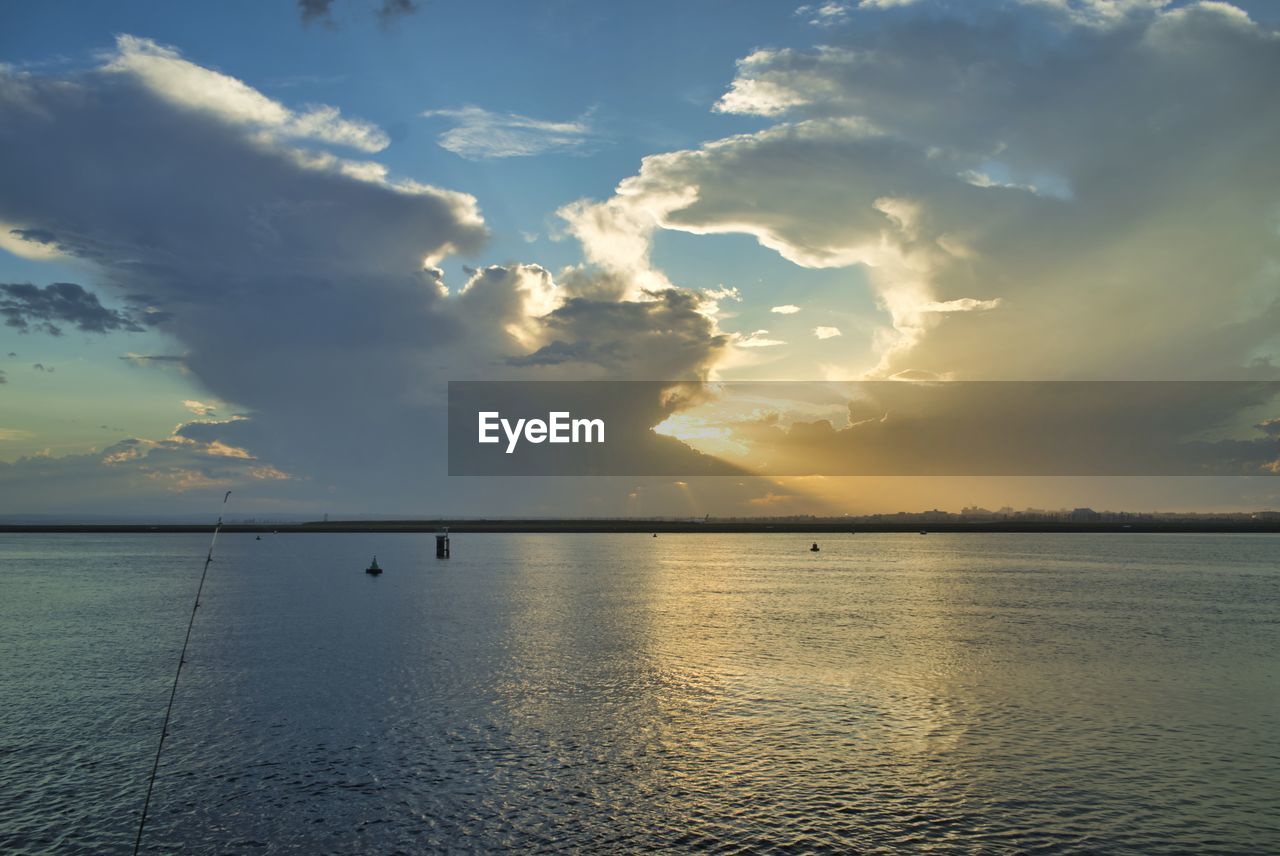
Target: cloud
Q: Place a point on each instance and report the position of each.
(188, 86)
(723, 292)
(1010, 428)
(786, 309)
(616, 237)
(3, 378)
(756, 339)
(1123, 229)
(751, 93)
(155, 359)
(29, 243)
(303, 291)
(269, 212)
(829, 14)
(834, 13)
(298, 287)
(826, 332)
(199, 408)
(667, 337)
(480, 134)
(25, 306)
(503, 304)
(1100, 13)
(715, 296)
(177, 471)
(962, 304)
(41, 367)
(1086, 250)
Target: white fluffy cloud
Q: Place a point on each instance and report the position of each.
(826, 332)
(756, 339)
(192, 87)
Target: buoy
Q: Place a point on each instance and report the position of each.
(442, 544)
(655, 534)
(373, 568)
(259, 538)
(814, 548)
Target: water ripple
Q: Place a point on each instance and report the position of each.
(989, 694)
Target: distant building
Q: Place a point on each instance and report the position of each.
(1084, 515)
(1266, 516)
(975, 513)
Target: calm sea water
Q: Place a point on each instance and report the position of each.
(956, 693)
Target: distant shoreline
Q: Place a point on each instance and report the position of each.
(660, 526)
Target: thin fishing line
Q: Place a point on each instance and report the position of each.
(182, 660)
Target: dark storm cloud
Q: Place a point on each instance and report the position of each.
(302, 287)
(26, 307)
(294, 277)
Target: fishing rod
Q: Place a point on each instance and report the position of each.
(182, 660)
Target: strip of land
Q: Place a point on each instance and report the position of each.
(815, 526)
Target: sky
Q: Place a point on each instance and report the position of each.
(246, 245)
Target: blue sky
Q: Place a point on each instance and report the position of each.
(836, 191)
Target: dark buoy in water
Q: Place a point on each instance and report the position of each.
(924, 531)
(259, 538)
(442, 544)
(814, 548)
(373, 568)
(655, 534)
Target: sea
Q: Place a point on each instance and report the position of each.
(617, 693)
